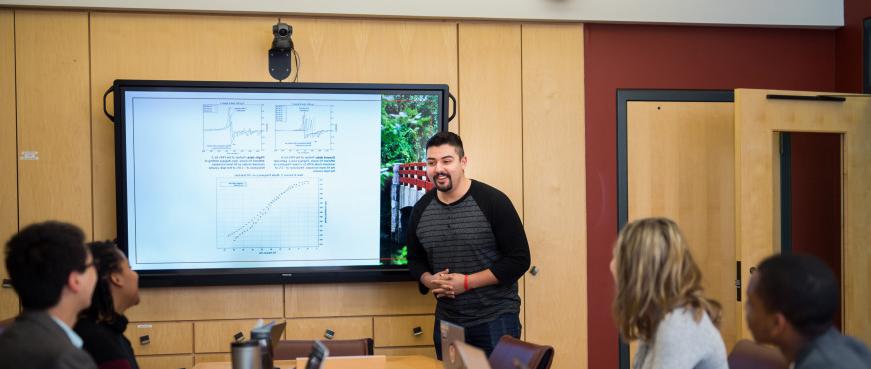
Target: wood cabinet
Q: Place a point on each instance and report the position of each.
(406, 351)
(211, 358)
(166, 362)
(414, 330)
(324, 328)
(149, 338)
(216, 336)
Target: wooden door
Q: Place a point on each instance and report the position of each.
(8, 165)
(680, 162)
(758, 118)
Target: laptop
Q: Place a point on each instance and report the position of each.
(276, 331)
(451, 333)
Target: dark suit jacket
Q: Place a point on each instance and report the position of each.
(36, 341)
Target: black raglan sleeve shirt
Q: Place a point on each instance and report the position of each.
(504, 223)
(508, 231)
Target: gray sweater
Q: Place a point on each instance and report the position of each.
(832, 350)
(682, 343)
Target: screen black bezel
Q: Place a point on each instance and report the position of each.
(243, 276)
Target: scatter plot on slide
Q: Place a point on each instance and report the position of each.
(269, 213)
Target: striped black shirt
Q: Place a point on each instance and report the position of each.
(479, 231)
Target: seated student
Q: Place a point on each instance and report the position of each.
(791, 301)
(52, 272)
(660, 302)
(102, 325)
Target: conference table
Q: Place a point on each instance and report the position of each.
(389, 362)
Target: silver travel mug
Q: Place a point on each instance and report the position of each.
(246, 355)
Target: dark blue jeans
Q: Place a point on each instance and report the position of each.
(485, 335)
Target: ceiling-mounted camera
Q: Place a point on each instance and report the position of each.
(281, 33)
(279, 54)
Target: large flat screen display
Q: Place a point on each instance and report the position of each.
(233, 182)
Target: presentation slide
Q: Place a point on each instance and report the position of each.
(249, 180)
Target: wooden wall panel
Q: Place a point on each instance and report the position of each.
(756, 121)
(489, 55)
(53, 120)
(376, 51)
(312, 300)
(681, 166)
(8, 165)
(554, 190)
(163, 46)
(206, 303)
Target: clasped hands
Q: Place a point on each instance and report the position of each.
(446, 284)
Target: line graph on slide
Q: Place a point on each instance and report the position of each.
(304, 127)
(269, 213)
(233, 127)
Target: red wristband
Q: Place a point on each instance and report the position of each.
(466, 283)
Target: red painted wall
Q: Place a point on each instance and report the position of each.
(672, 57)
(815, 166)
(848, 43)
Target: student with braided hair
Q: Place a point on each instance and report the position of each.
(102, 325)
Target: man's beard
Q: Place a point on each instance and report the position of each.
(446, 187)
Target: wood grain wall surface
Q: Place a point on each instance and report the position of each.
(52, 96)
(485, 64)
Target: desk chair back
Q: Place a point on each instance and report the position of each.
(292, 349)
(509, 348)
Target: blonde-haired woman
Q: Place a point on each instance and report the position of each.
(659, 299)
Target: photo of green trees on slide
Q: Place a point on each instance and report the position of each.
(407, 122)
